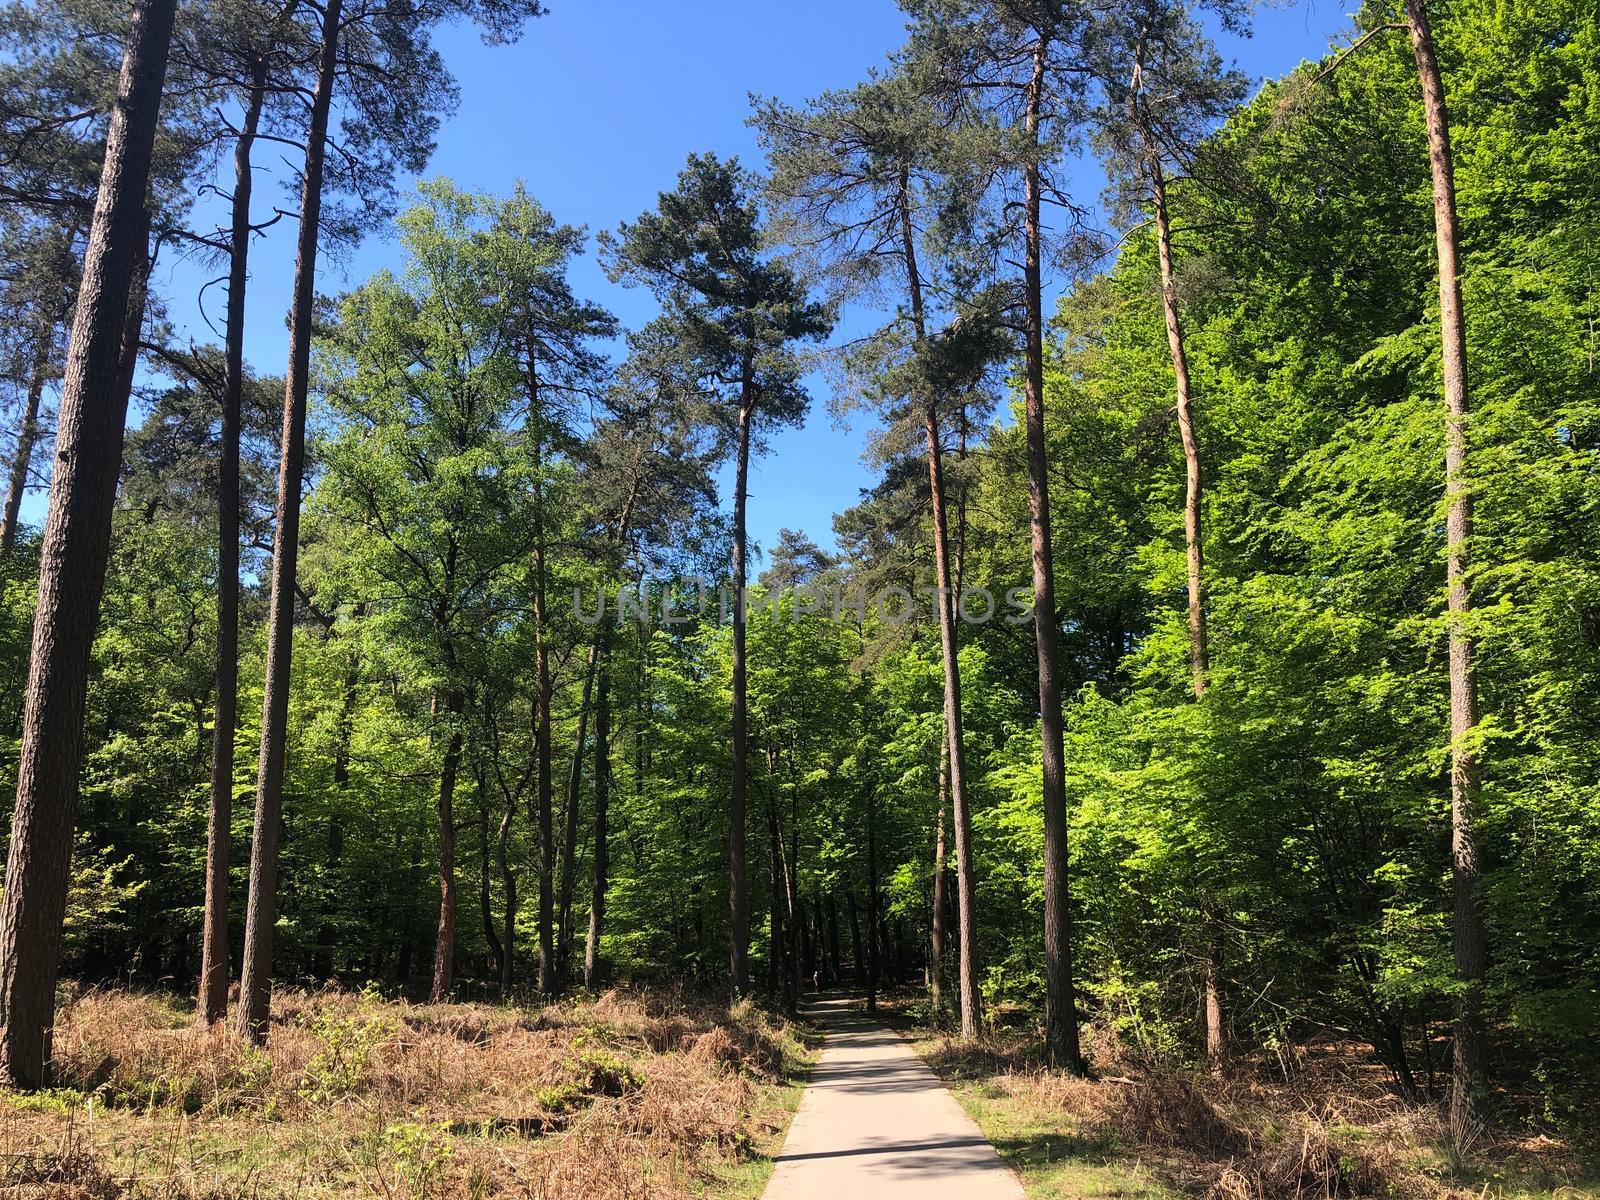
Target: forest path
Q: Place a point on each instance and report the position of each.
(876, 1124)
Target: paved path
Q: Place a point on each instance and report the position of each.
(876, 1124)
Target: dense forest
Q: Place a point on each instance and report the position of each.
(1216, 660)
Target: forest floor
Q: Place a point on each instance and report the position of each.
(631, 1094)
(1320, 1121)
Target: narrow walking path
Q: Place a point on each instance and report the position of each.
(876, 1124)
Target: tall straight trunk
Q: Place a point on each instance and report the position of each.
(782, 955)
(73, 554)
(602, 830)
(444, 944)
(545, 816)
(936, 917)
(213, 994)
(834, 967)
(485, 897)
(261, 915)
(27, 436)
(508, 879)
(966, 890)
(1471, 942)
(1199, 658)
(569, 820)
(1060, 1017)
(872, 901)
(856, 960)
(738, 901)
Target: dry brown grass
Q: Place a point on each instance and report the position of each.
(630, 1095)
(1331, 1127)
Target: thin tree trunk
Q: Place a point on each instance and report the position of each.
(569, 822)
(1199, 658)
(857, 963)
(73, 555)
(1216, 1033)
(834, 966)
(872, 901)
(602, 831)
(485, 898)
(444, 945)
(967, 924)
(781, 953)
(1060, 1020)
(255, 983)
(213, 994)
(738, 902)
(1471, 942)
(27, 435)
(545, 816)
(936, 918)
(508, 878)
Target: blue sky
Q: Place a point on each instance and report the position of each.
(596, 109)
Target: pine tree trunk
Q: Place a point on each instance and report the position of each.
(491, 936)
(1060, 1022)
(508, 878)
(444, 944)
(255, 983)
(1199, 658)
(967, 924)
(212, 1001)
(872, 901)
(27, 436)
(936, 921)
(782, 956)
(857, 962)
(569, 821)
(545, 817)
(73, 555)
(1470, 939)
(738, 901)
(602, 830)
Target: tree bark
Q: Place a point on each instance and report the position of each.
(1470, 940)
(936, 917)
(738, 902)
(1199, 657)
(213, 993)
(872, 901)
(485, 897)
(857, 962)
(569, 821)
(27, 436)
(602, 830)
(255, 983)
(508, 878)
(782, 953)
(444, 945)
(73, 555)
(1060, 1022)
(967, 924)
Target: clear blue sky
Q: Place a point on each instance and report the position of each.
(596, 109)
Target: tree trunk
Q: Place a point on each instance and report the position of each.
(255, 983)
(27, 435)
(1216, 1035)
(1199, 659)
(213, 994)
(967, 931)
(485, 899)
(508, 878)
(444, 945)
(738, 902)
(857, 962)
(1060, 1020)
(569, 821)
(545, 816)
(782, 956)
(73, 555)
(936, 918)
(872, 901)
(602, 831)
(834, 968)
(1471, 942)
